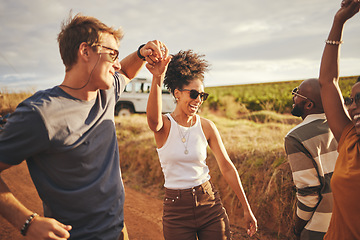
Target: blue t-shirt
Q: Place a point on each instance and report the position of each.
(72, 153)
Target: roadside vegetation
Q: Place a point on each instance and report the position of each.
(252, 120)
(10, 99)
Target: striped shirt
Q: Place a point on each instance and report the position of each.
(312, 153)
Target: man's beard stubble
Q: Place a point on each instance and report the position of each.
(297, 111)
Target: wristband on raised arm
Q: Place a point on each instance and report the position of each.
(139, 54)
(332, 42)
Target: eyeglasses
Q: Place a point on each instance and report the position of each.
(194, 94)
(349, 101)
(113, 55)
(295, 92)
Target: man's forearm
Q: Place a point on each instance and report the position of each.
(131, 65)
(10, 208)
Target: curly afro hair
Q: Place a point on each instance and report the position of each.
(184, 67)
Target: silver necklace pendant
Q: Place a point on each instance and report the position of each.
(184, 135)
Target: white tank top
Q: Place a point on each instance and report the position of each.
(183, 170)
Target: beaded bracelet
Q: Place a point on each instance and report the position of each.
(332, 42)
(27, 223)
(139, 54)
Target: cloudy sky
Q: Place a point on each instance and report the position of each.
(245, 41)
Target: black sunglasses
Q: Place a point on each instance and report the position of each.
(349, 100)
(194, 94)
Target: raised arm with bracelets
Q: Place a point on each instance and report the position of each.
(344, 123)
(333, 105)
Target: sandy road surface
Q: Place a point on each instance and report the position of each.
(142, 212)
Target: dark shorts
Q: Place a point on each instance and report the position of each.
(195, 213)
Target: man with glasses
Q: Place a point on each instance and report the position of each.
(67, 136)
(312, 153)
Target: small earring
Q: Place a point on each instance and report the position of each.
(177, 99)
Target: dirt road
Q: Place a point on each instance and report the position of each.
(142, 212)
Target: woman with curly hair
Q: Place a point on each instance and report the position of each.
(192, 206)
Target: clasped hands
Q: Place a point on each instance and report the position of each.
(157, 57)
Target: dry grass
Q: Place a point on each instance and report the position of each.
(9, 100)
(256, 148)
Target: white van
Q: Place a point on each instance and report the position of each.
(135, 96)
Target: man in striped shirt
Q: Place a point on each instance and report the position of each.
(312, 153)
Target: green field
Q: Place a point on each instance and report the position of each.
(274, 96)
(231, 101)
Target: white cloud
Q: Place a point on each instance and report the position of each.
(255, 26)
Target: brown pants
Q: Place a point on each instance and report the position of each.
(195, 213)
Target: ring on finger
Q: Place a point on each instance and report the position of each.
(162, 49)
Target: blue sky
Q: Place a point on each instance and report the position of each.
(245, 41)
